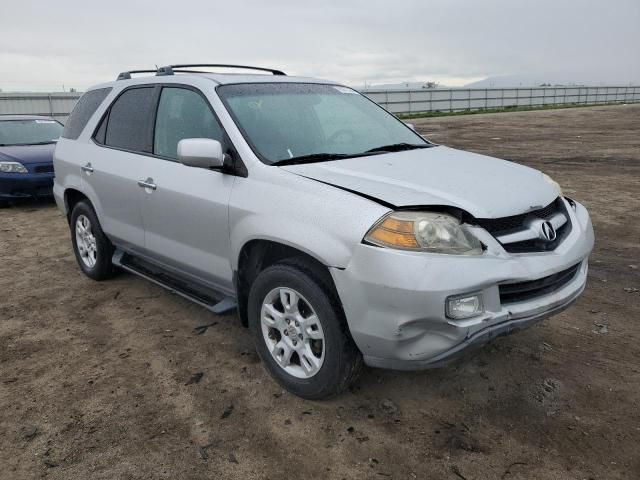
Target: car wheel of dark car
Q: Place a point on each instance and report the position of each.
(91, 246)
(300, 331)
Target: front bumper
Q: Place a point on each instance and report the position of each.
(395, 301)
(23, 185)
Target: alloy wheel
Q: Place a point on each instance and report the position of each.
(86, 241)
(292, 332)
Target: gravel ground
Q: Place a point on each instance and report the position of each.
(94, 377)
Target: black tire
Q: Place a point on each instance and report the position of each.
(342, 359)
(103, 268)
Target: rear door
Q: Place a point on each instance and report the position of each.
(185, 209)
(124, 137)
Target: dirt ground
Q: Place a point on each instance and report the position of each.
(93, 376)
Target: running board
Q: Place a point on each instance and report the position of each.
(214, 301)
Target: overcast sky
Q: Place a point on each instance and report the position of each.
(48, 44)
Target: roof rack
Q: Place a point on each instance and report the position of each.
(169, 69)
(127, 75)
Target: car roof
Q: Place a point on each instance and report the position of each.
(229, 78)
(218, 78)
(25, 117)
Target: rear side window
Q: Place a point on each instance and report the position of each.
(82, 112)
(129, 124)
(182, 113)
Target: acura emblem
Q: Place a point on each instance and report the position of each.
(548, 232)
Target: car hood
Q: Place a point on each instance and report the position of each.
(27, 153)
(483, 186)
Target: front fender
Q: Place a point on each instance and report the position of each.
(318, 219)
(321, 245)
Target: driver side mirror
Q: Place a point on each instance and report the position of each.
(200, 153)
(410, 125)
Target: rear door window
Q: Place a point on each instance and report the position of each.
(130, 125)
(82, 112)
(182, 113)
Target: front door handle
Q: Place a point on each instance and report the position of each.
(148, 183)
(88, 169)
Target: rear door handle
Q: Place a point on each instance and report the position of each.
(87, 168)
(148, 183)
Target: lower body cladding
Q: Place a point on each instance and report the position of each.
(396, 301)
(25, 185)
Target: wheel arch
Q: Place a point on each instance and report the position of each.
(258, 254)
(71, 197)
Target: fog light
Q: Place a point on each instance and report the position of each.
(464, 306)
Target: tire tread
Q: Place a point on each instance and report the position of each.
(104, 269)
(350, 356)
(326, 284)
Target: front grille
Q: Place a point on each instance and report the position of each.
(537, 245)
(504, 225)
(515, 223)
(522, 291)
(44, 168)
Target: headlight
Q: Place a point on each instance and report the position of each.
(12, 167)
(425, 232)
(550, 180)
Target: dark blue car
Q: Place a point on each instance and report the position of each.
(26, 156)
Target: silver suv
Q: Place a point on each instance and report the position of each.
(341, 236)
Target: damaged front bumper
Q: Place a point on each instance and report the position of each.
(394, 300)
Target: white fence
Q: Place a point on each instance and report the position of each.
(59, 105)
(460, 99)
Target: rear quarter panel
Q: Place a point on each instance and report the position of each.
(66, 167)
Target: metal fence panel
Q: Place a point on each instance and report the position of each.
(57, 105)
(460, 99)
(60, 104)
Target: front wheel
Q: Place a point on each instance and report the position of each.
(300, 331)
(92, 247)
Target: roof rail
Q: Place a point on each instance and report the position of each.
(127, 75)
(169, 69)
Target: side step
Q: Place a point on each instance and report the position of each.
(214, 301)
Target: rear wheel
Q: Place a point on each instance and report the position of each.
(91, 246)
(300, 331)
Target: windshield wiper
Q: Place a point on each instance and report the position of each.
(313, 157)
(48, 142)
(398, 147)
(323, 157)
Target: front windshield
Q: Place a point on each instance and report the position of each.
(284, 121)
(29, 132)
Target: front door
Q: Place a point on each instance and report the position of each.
(185, 209)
